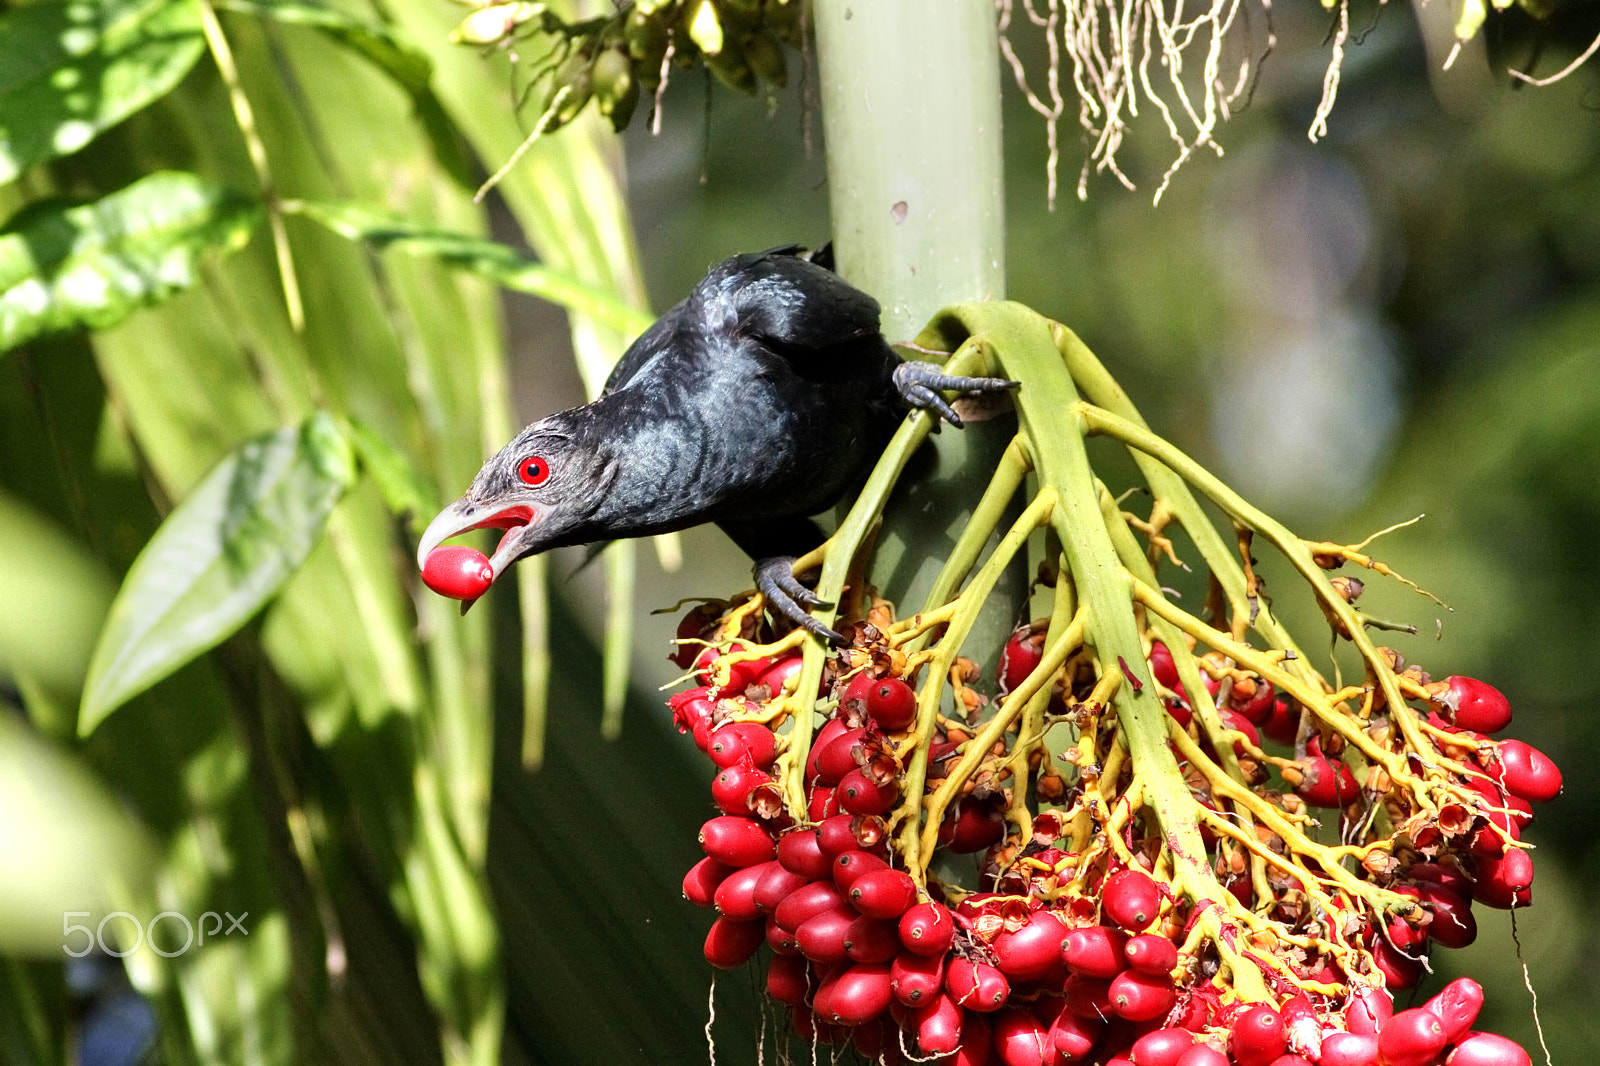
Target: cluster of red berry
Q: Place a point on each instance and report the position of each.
(1084, 948)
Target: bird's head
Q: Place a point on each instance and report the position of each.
(543, 489)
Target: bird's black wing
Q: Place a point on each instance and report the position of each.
(651, 343)
(799, 309)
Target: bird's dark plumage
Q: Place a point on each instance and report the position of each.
(758, 400)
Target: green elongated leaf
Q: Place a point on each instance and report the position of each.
(218, 558)
(93, 265)
(70, 69)
(389, 51)
(498, 262)
(405, 491)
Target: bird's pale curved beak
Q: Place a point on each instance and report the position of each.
(467, 514)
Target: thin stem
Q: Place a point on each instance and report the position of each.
(222, 55)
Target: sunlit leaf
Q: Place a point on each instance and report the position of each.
(218, 558)
(498, 262)
(380, 44)
(95, 264)
(72, 68)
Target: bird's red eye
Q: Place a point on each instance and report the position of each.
(533, 470)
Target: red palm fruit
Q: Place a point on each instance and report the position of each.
(733, 743)
(938, 1025)
(927, 929)
(1527, 772)
(976, 986)
(1234, 720)
(860, 994)
(916, 979)
(1457, 1005)
(1162, 666)
(1257, 707)
(821, 937)
(1095, 951)
(735, 896)
(1162, 1047)
(977, 1042)
(835, 835)
(1326, 782)
(1087, 997)
(1023, 652)
(1502, 808)
(1202, 1055)
(457, 571)
(736, 841)
(1487, 1049)
(876, 1039)
(1411, 1038)
(1283, 721)
(1131, 899)
(1290, 1060)
(741, 674)
(821, 804)
(888, 701)
(1473, 704)
(807, 901)
(883, 893)
(849, 865)
(1400, 933)
(730, 943)
(788, 979)
(1349, 1049)
(1433, 873)
(1021, 1040)
(824, 736)
(1257, 1035)
(1032, 950)
(801, 854)
(1505, 881)
(693, 627)
(1180, 712)
(700, 883)
(837, 757)
(1453, 925)
(1142, 997)
(859, 794)
(871, 940)
(781, 940)
(691, 707)
(779, 680)
(1399, 970)
(975, 825)
(730, 789)
(1301, 1025)
(1368, 1009)
(1074, 1036)
(1151, 953)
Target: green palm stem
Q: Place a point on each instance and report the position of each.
(1051, 418)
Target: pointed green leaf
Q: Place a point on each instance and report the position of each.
(383, 46)
(405, 491)
(95, 264)
(70, 69)
(218, 558)
(497, 262)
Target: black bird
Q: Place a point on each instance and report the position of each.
(757, 401)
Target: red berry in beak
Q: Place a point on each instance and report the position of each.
(457, 571)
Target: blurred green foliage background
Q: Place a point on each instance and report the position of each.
(1402, 319)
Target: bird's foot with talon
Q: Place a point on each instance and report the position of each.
(789, 599)
(919, 384)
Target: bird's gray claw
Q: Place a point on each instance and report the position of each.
(791, 600)
(917, 383)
